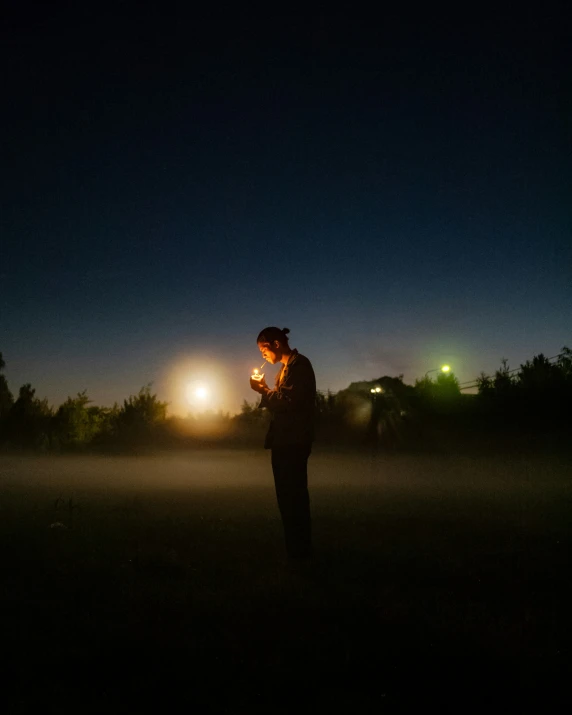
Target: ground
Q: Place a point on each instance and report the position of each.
(438, 581)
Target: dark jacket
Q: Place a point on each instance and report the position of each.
(292, 404)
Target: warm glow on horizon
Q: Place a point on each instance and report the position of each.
(197, 383)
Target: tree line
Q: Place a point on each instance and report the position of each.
(388, 413)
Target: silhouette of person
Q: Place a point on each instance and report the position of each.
(290, 435)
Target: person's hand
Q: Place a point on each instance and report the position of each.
(258, 383)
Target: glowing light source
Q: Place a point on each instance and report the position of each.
(256, 372)
(197, 393)
(443, 368)
(378, 389)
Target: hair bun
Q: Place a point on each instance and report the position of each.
(272, 333)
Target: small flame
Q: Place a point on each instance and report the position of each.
(256, 371)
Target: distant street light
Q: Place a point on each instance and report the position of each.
(443, 368)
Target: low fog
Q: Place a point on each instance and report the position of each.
(521, 489)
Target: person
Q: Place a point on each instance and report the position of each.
(290, 435)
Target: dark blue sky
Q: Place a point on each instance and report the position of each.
(396, 193)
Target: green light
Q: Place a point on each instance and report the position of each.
(445, 368)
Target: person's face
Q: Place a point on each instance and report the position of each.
(271, 352)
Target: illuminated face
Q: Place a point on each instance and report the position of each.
(271, 352)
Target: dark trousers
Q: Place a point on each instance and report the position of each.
(290, 468)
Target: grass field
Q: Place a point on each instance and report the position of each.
(437, 581)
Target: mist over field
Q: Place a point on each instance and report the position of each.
(353, 494)
(432, 567)
(500, 479)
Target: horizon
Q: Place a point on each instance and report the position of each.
(186, 407)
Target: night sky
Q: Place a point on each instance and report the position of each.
(396, 193)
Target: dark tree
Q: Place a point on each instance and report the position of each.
(6, 397)
(76, 424)
(28, 422)
(140, 419)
